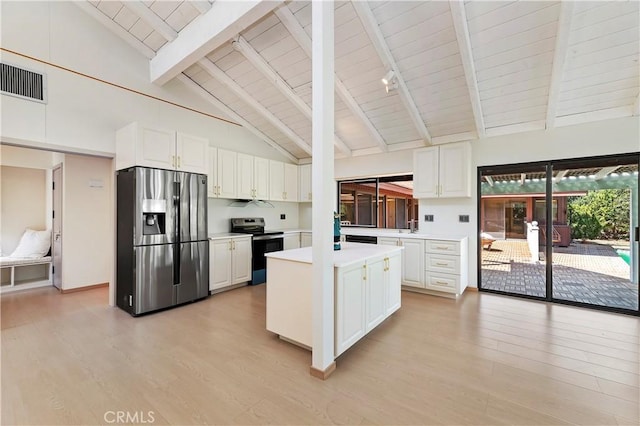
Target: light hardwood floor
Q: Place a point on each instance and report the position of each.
(484, 359)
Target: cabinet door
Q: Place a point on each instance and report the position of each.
(240, 260)
(291, 241)
(425, 173)
(192, 154)
(413, 262)
(219, 264)
(393, 282)
(375, 289)
(244, 179)
(305, 183)
(306, 239)
(276, 180)
(290, 182)
(157, 148)
(226, 174)
(212, 175)
(350, 307)
(261, 178)
(455, 166)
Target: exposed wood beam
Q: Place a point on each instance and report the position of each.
(523, 176)
(222, 22)
(112, 26)
(200, 91)
(304, 41)
(223, 78)
(459, 16)
(516, 128)
(559, 57)
(150, 17)
(636, 106)
(561, 174)
(375, 35)
(201, 6)
(457, 137)
(604, 172)
(489, 180)
(242, 46)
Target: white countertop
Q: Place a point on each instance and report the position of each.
(349, 253)
(395, 233)
(227, 235)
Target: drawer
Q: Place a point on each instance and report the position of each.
(442, 282)
(442, 263)
(442, 247)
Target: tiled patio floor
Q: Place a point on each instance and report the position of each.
(587, 273)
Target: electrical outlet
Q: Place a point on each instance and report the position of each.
(283, 216)
(428, 218)
(464, 218)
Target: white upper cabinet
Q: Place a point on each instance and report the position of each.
(222, 174)
(276, 180)
(290, 182)
(253, 177)
(283, 181)
(139, 145)
(305, 183)
(192, 153)
(442, 171)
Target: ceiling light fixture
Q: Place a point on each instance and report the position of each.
(388, 78)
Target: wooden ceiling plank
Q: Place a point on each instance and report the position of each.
(150, 17)
(202, 6)
(203, 35)
(559, 58)
(195, 88)
(377, 38)
(291, 23)
(112, 26)
(227, 81)
(242, 46)
(459, 18)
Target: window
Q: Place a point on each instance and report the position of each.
(384, 202)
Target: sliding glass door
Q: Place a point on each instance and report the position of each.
(563, 231)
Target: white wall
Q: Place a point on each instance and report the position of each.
(598, 138)
(87, 222)
(22, 204)
(82, 114)
(220, 212)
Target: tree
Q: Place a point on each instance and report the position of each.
(600, 214)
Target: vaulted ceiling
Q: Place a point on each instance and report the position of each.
(463, 70)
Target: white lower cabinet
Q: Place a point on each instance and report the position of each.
(412, 259)
(291, 241)
(366, 293)
(446, 266)
(229, 262)
(305, 239)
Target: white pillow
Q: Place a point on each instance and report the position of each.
(33, 244)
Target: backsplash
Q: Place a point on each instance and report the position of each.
(220, 212)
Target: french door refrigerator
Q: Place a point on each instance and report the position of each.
(162, 247)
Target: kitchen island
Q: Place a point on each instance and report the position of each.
(367, 281)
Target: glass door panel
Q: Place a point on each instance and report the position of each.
(512, 260)
(595, 248)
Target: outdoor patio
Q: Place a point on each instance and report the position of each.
(583, 272)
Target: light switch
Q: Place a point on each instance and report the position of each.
(428, 218)
(464, 218)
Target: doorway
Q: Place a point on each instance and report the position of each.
(56, 235)
(569, 232)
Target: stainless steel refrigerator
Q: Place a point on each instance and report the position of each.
(162, 247)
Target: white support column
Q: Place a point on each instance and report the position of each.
(322, 359)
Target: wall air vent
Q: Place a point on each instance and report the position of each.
(23, 83)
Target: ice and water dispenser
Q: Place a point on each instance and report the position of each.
(154, 214)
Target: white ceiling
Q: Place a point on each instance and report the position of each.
(465, 70)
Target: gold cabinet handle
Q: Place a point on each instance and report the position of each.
(173, 161)
(440, 283)
(233, 245)
(229, 244)
(178, 161)
(386, 263)
(441, 264)
(442, 248)
(364, 271)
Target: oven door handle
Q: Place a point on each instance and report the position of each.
(267, 237)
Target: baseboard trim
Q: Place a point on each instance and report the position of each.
(472, 289)
(88, 287)
(323, 374)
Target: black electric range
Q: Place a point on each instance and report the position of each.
(262, 242)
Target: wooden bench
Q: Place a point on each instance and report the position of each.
(13, 263)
